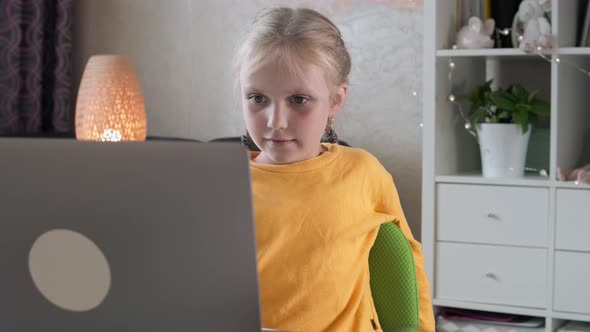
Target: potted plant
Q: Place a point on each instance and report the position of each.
(503, 120)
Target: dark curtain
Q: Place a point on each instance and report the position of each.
(36, 67)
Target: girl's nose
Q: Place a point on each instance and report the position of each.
(278, 117)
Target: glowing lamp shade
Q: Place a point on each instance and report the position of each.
(110, 105)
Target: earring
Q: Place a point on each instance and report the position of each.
(247, 141)
(329, 133)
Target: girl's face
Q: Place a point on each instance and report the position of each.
(286, 113)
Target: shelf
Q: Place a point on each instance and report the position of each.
(573, 51)
(527, 181)
(488, 52)
(572, 185)
(509, 52)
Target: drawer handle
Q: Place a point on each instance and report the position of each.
(493, 216)
(492, 276)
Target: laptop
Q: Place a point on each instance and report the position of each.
(150, 236)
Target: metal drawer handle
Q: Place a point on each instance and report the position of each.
(492, 276)
(492, 215)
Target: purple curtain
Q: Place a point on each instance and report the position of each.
(36, 67)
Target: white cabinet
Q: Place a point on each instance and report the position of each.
(491, 274)
(519, 245)
(572, 282)
(573, 220)
(498, 215)
(572, 256)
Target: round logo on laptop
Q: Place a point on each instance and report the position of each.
(69, 270)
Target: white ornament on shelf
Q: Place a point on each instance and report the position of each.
(530, 26)
(476, 34)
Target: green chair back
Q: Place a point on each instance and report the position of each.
(393, 281)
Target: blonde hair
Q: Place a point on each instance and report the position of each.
(286, 35)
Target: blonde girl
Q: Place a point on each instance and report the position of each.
(318, 206)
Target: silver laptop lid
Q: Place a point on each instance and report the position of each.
(153, 236)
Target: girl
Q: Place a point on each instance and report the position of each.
(318, 206)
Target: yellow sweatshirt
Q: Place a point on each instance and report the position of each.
(316, 221)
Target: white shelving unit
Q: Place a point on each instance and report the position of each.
(521, 245)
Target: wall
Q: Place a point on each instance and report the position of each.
(182, 50)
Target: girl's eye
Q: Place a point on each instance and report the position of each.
(257, 99)
(299, 100)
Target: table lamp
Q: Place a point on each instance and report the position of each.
(110, 105)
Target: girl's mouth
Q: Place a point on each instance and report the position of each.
(280, 141)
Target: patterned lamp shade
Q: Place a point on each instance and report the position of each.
(110, 105)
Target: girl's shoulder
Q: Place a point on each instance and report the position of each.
(360, 159)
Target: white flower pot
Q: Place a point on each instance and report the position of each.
(503, 149)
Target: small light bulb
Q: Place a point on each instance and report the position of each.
(539, 48)
(557, 60)
(421, 125)
(451, 65)
(414, 93)
(110, 135)
(467, 125)
(451, 98)
(520, 37)
(506, 31)
(454, 47)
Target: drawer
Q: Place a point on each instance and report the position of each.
(572, 213)
(491, 274)
(572, 282)
(492, 214)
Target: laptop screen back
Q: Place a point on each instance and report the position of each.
(153, 236)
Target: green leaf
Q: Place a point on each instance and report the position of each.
(523, 107)
(518, 91)
(474, 109)
(540, 107)
(521, 118)
(503, 100)
(516, 118)
(476, 118)
(525, 122)
(474, 123)
(532, 95)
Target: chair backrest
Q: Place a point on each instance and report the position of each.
(393, 281)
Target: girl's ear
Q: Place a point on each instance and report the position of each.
(338, 98)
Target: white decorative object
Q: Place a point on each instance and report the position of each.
(503, 149)
(110, 105)
(476, 34)
(530, 20)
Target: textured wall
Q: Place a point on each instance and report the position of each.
(182, 50)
